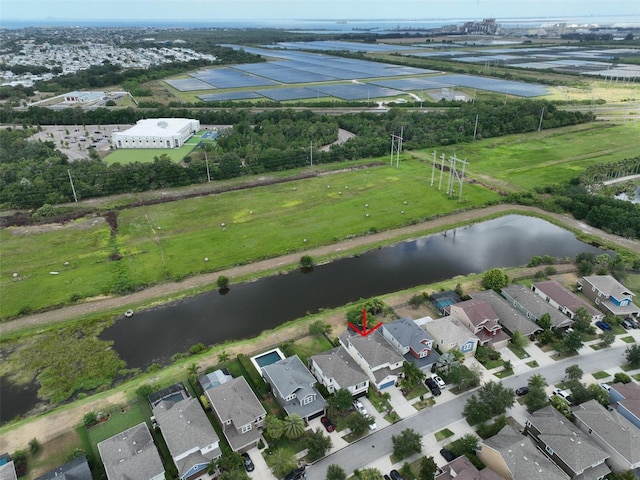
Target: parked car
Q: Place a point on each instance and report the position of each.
(633, 322)
(603, 325)
(605, 386)
(297, 474)
(564, 394)
(433, 386)
(447, 455)
(329, 427)
(248, 463)
(439, 381)
(626, 324)
(386, 477)
(360, 407)
(522, 391)
(395, 475)
(372, 426)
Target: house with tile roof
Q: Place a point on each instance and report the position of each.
(131, 455)
(564, 299)
(335, 369)
(294, 388)
(411, 341)
(534, 307)
(479, 317)
(612, 432)
(448, 333)
(508, 316)
(609, 295)
(190, 437)
(375, 355)
(239, 412)
(626, 399)
(515, 457)
(574, 452)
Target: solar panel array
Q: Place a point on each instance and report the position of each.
(330, 45)
(292, 93)
(357, 91)
(222, 96)
(189, 85)
(510, 87)
(231, 78)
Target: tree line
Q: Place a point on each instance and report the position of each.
(34, 173)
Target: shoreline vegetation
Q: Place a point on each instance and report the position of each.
(59, 419)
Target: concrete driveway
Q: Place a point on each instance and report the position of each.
(262, 470)
(399, 403)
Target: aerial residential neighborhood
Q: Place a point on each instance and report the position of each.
(299, 240)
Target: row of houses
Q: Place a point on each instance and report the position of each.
(600, 440)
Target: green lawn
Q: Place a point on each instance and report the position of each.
(170, 241)
(118, 422)
(130, 155)
(600, 375)
(442, 434)
(523, 161)
(309, 346)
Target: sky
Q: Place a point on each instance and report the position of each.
(213, 10)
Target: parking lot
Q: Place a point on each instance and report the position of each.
(75, 140)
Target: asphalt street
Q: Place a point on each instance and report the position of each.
(370, 448)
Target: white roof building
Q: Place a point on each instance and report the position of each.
(157, 133)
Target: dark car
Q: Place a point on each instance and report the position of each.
(632, 321)
(626, 324)
(603, 325)
(248, 463)
(447, 455)
(386, 477)
(433, 386)
(395, 475)
(329, 427)
(297, 474)
(522, 391)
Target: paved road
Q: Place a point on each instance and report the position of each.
(372, 447)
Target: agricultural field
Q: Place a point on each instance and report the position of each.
(522, 162)
(170, 241)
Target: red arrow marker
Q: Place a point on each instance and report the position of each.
(364, 332)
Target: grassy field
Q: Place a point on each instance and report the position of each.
(522, 162)
(170, 241)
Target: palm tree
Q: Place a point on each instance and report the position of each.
(412, 373)
(193, 369)
(447, 362)
(223, 357)
(293, 426)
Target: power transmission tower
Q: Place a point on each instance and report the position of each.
(396, 141)
(73, 189)
(455, 176)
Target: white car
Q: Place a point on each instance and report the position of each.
(373, 426)
(605, 386)
(564, 394)
(360, 407)
(439, 381)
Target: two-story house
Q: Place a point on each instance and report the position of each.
(609, 295)
(294, 388)
(131, 455)
(335, 369)
(626, 399)
(564, 299)
(564, 444)
(534, 307)
(482, 320)
(515, 457)
(377, 358)
(450, 334)
(508, 316)
(76, 469)
(239, 411)
(189, 435)
(411, 341)
(612, 432)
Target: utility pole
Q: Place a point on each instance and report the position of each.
(441, 171)
(475, 129)
(206, 161)
(311, 152)
(73, 189)
(433, 168)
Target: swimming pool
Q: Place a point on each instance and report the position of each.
(267, 358)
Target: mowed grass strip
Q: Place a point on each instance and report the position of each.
(170, 241)
(522, 162)
(146, 155)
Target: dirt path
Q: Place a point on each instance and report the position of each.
(167, 289)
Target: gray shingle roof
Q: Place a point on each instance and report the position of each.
(575, 448)
(375, 350)
(77, 469)
(450, 329)
(408, 334)
(508, 316)
(609, 286)
(131, 455)
(536, 305)
(185, 426)
(522, 457)
(612, 427)
(235, 401)
(337, 364)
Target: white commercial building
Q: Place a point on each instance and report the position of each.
(157, 133)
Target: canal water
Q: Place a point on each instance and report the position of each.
(251, 308)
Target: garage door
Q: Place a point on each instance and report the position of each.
(387, 385)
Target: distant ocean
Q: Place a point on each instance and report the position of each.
(324, 26)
